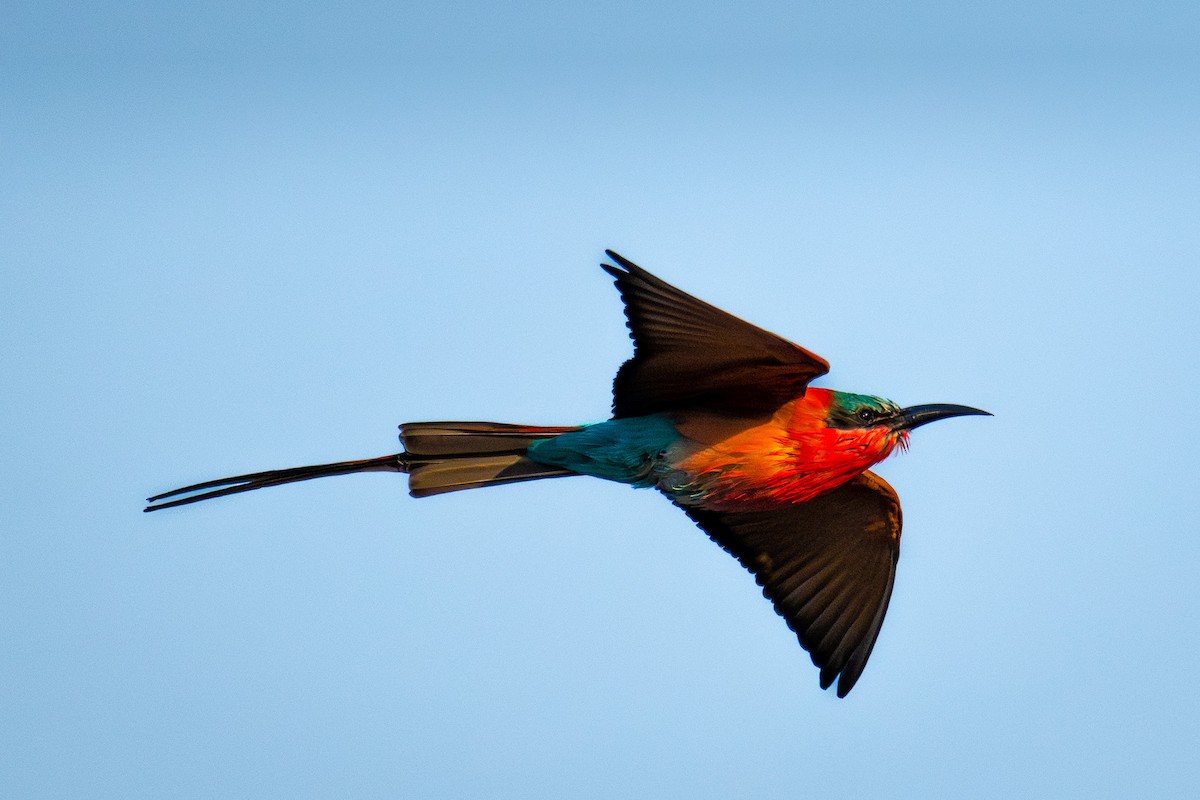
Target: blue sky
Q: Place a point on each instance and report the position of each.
(241, 238)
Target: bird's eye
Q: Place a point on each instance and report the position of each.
(866, 415)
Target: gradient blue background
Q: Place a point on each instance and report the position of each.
(240, 238)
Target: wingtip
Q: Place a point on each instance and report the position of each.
(848, 678)
(624, 265)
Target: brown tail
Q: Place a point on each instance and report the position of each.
(449, 456)
(438, 457)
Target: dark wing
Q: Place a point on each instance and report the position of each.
(827, 564)
(688, 353)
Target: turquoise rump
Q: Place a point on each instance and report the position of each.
(624, 450)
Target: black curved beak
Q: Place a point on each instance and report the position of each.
(916, 416)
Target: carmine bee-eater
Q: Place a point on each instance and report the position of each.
(718, 415)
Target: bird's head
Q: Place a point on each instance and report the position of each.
(834, 436)
(862, 412)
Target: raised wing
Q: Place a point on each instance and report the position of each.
(827, 565)
(690, 354)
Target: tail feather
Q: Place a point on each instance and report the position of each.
(451, 456)
(454, 474)
(472, 438)
(438, 456)
(275, 477)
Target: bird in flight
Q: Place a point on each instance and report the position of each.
(719, 416)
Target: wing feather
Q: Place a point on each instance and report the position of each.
(690, 354)
(828, 565)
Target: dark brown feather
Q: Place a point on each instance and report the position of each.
(473, 438)
(689, 354)
(274, 477)
(438, 456)
(827, 565)
(451, 456)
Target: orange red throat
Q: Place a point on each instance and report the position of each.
(790, 458)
